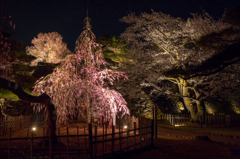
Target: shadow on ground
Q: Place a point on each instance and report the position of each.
(199, 148)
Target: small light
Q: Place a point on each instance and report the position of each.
(177, 125)
(125, 126)
(34, 128)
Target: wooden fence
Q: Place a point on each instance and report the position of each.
(89, 141)
(175, 120)
(18, 122)
(207, 120)
(15, 123)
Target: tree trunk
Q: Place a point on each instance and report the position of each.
(44, 99)
(87, 103)
(114, 119)
(184, 91)
(198, 103)
(52, 117)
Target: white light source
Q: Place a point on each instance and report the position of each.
(125, 126)
(177, 125)
(34, 128)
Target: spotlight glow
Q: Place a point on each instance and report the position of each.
(34, 128)
(177, 125)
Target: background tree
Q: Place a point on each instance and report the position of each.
(48, 48)
(220, 91)
(80, 84)
(15, 67)
(114, 50)
(6, 27)
(6, 62)
(168, 48)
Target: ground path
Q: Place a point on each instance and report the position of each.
(193, 143)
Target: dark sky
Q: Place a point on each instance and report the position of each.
(66, 16)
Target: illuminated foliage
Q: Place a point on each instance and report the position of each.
(79, 86)
(114, 49)
(183, 52)
(48, 47)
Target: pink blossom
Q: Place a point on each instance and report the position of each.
(73, 82)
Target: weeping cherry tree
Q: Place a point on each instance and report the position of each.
(79, 86)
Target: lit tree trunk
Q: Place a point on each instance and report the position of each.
(114, 119)
(198, 103)
(184, 90)
(87, 103)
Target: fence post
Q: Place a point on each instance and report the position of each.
(120, 136)
(106, 132)
(31, 150)
(85, 142)
(27, 136)
(156, 113)
(127, 135)
(140, 130)
(20, 120)
(59, 134)
(95, 147)
(67, 143)
(90, 140)
(77, 142)
(153, 121)
(152, 133)
(173, 120)
(50, 144)
(5, 126)
(103, 138)
(43, 143)
(113, 136)
(10, 139)
(201, 121)
(223, 121)
(135, 127)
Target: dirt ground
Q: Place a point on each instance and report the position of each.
(186, 149)
(219, 143)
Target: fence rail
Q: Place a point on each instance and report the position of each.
(18, 122)
(207, 120)
(90, 141)
(15, 123)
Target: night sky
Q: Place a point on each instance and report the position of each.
(66, 16)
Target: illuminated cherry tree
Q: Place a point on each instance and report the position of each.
(48, 47)
(183, 52)
(80, 85)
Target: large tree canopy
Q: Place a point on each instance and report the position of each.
(48, 47)
(173, 49)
